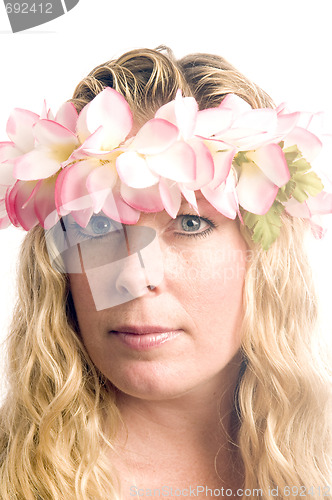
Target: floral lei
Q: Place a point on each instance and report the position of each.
(250, 163)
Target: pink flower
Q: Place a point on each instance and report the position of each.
(55, 140)
(39, 145)
(19, 130)
(87, 183)
(91, 162)
(166, 157)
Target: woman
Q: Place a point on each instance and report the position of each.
(199, 374)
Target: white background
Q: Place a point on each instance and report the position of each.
(284, 46)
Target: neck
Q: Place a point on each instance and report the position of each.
(192, 433)
(192, 414)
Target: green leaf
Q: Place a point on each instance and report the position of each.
(286, 191)
(301, 165)
(303, 181)
(306, 184)
(291, 156)
(266, 228)
(292, 149)
(282, 194)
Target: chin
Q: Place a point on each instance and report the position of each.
(154, 382)
(150, 381)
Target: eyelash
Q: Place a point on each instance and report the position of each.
(78, 233)
(203, 234)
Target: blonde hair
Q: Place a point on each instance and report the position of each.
(52, 442)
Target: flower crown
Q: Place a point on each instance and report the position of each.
(250, 163)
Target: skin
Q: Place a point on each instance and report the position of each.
(176, 392)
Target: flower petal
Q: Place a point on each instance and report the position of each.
(155, 136)
(167, 112)
(171, 196)
(100, 183)
(204, 165)
(235, 103)
(144, 200)
(243, 139)
(317, 227)
(224, 197)
(256, 193)
(4, 222)
(49, 133)
(19, 128)
(4, 219)
(45, 112)
(297, 209)
(314, 122)
(82, 216)
(212, 121)
(222, 164)
(57, 192)
(286, 123)
(91, 146)
(185, 111)
(320, 204)
(308, 143)
(35, 165)
(117, 209)
(134, 171)
(6, 174)
(71, 192)
(260, 120)
(271, 160)
(44, 204)
(282, 109)
(10, 203)
(67, 116)
(109, 109)
(177, 163)
(15, 200)
(190, 196)
(3, 191)
(8, 152)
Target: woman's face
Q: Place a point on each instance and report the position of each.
(182, 334)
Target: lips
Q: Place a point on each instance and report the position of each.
(145, 337)
(143, 329)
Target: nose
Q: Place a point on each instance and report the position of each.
(139, 270)
(143, 269)
(136, 277)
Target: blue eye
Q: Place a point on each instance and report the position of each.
(193, 225)
(190, 223)
(98, 226)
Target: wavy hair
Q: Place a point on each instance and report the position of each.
(52, 440)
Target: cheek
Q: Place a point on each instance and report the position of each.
(209, 285)
(83, 301)
(211, 275)
(219, 293)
